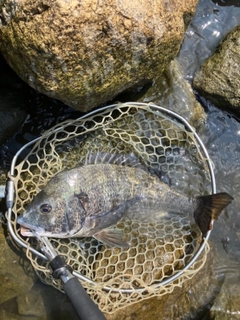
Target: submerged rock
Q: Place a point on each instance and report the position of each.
(14, 281)
(191, 301)
(176, 93)
(85, 53)
(30, 304)
(226, 306)
(218, 77)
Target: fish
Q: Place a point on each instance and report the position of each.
(89, 200)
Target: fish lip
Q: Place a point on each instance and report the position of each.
(33, 231)
(30, 230)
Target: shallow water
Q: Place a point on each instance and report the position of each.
(210, 24)
(221, 136)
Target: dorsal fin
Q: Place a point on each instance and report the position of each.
(111, 158)
(129, 160)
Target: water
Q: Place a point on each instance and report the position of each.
(210, 24)
(221, 136)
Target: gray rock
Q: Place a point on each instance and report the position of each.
(30, 304)
(218, 77)
(226, 306)
(13, 278)
(85, 53)
(12, 316)
(176, 94)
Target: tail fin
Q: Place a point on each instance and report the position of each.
(209, 208)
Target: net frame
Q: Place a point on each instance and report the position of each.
(203, 246)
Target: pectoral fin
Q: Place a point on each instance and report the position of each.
(113, 237)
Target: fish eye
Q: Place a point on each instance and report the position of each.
(45, 208)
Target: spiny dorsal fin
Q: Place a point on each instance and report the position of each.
(129, 160)
(111, 158)
(209, 208)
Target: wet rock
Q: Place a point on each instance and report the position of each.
(15, 278)
(85, 53)
(30, 304)
(12, 316)
(218, 77)
(176, 94)
(191, 301)
(226, 306)
(45, 302)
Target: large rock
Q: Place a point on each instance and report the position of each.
(86, 52)
(218, 77)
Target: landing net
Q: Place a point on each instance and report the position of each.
(162, 255)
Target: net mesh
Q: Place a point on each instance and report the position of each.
(116, 277)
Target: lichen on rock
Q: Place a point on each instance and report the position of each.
(84, 53)
(218, 77)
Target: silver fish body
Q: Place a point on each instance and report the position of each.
(87, 200)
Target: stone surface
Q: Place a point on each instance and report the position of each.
(13, 271)
(86, 52)
(12, 316)
(175, 93)
(218, 77)
(226, 306)
(30, 304)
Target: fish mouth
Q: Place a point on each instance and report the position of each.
(28, 230)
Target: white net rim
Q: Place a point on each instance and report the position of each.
(127, 104)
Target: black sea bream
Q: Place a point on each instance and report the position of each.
(89, 200)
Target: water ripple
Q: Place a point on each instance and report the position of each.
(209, 26)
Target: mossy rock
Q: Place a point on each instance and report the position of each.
(84, 53)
